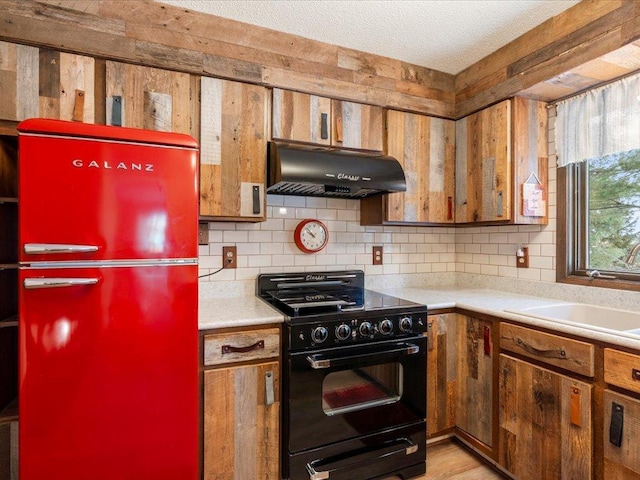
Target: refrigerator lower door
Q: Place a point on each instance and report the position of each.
(108, 373)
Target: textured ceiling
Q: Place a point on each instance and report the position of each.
(446, 35)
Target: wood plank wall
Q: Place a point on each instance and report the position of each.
(154, 34)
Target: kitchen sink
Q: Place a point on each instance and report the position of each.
(587, 316)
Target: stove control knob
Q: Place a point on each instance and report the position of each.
(343, 331)
(386, 327)
(319, 334)
(365, 329)
(405, 324)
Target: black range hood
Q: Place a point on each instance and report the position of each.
(321, 172)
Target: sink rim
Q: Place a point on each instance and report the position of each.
(531, 312)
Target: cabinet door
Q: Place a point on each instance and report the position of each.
(45, 83)
(233, 150)
(357, 126)
(301, 117)
(149, 98)
(545, 426)
(442, 373)
(241, 422)
(483, 165)
(474, 403)
(425, 148)
(621, 462)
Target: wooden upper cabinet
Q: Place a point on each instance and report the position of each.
(38, 82)
(355, 125)
(301, 117)
(233, 150)
(425, 147)
(498, 151)
(150, 98)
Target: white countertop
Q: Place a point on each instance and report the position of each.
(250, 310)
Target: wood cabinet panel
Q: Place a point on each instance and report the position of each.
(497, 151)
(425, 147)
(259, 344)
(572, 355)
(149, 98)
(483, 178)
(622, 369)
(233, 150)
(623, 462)
(545, 426)
(442, 373)
(45, 83)
(355, 125)
(241, 428)
(474, 403)
(301, 117)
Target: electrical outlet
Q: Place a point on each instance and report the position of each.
(522, 257)
(203, 234)
(377, 255)
(229, 257)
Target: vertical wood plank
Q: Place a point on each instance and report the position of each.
(8, 81)
(77, 72)
(461, 170)
(49, 84)
(210, 121)
(27, 72)
(245, 416)
(219, 430)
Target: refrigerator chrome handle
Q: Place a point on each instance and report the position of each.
(35, 248)
(32, 283)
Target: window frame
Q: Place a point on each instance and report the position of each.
(570, 267)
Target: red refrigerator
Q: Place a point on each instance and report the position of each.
(108, 226)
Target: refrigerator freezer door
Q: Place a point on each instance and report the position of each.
(84, 198)
(108, 373)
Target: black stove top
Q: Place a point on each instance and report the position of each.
(334, 308)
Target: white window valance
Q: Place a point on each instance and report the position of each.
(600, 122)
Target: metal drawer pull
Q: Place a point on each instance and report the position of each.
(541, 353)
(635, 374)
(32, 283)
(318, 362)
(268, 387)
(35, 248)
(387, 450)
(232, 349)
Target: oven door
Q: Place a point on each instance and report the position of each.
(341, 393)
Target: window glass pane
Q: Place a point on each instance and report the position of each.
(364, 387)
(613, 214)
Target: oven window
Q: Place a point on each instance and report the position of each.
(360, 388)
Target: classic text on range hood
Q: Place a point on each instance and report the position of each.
(308, 171)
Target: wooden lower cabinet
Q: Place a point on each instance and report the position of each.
(474, 403)
(242, 422)
(442, 373)
(545, 424)
(621, 462)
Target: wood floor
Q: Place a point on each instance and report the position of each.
(451, 461)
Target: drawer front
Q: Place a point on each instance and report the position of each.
(221, 348)
(622, 369)
(571, 355)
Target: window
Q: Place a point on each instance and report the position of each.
(598, 145)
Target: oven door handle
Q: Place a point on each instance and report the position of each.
(318, 361)
(321, 469)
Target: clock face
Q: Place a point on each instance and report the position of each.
(311, 236)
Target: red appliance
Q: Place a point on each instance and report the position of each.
(108, 226)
